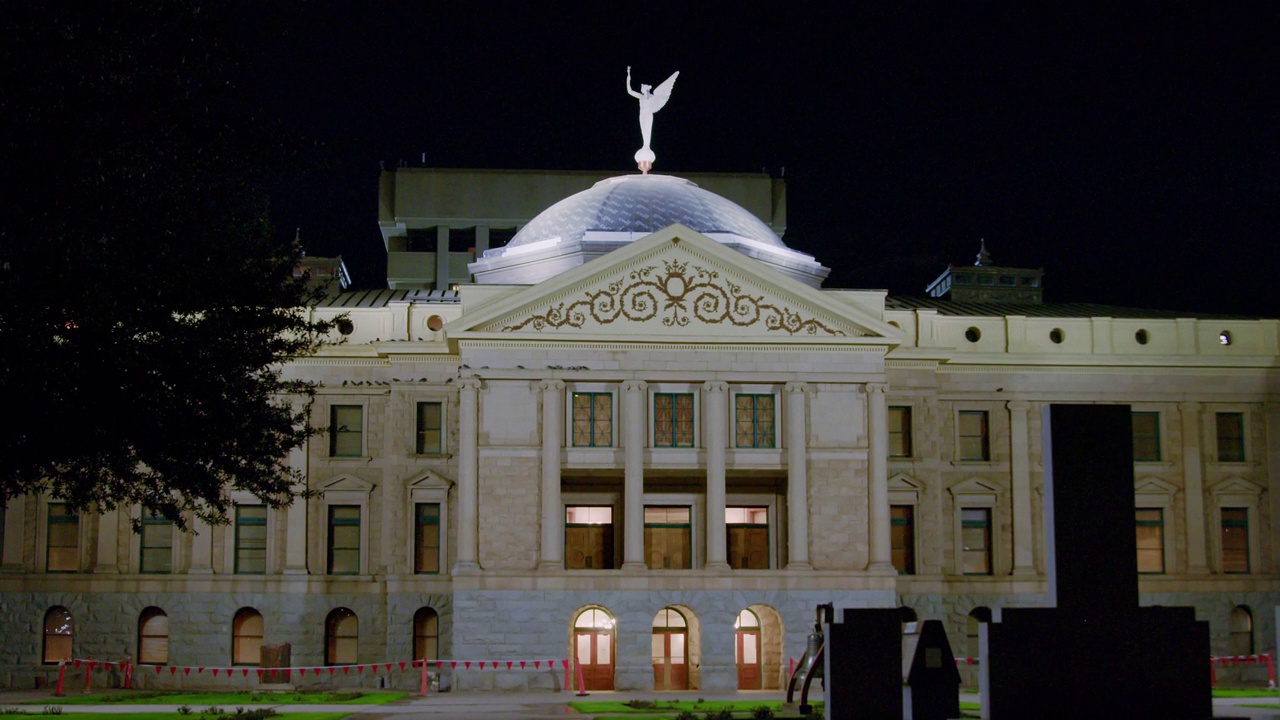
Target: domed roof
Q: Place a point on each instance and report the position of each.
(644, 204)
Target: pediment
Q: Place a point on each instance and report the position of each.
(902, 481)
(973, 486)
(675, 284)
(1236, 486)
(1153, 486)
(429, 480)
(346, 483)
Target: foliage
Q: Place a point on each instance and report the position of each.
(762, 712)
(146, 305)
(721, 714)
(686, 715)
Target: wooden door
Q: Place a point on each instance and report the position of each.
(747, 656)
(594, 652)
(670, 668)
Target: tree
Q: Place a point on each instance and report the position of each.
(146, 306)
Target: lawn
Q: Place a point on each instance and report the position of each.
(226, 699)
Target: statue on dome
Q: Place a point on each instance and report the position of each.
(650, 103)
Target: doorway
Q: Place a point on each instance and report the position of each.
(670, 650)
(593, 647)
(746, 653)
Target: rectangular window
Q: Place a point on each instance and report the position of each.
(588, 537)
(1146, 437)
(748, 537)
(754, 421)
(592, 419)
(899, 431)
(668, 537)
(902, 538)
(975, 536)
(344, 539)
(673, 420)
(1230, 437)
(346, 431)
(974, 439)
(426, 538)
(1150, 540)
(157, 544)
(63, 538)
(251, 539)
(430, 428)
(1235, 540)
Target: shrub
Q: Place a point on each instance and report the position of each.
(763, 712)
(721, 714)
(686, 715)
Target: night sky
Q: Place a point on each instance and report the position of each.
(1133, 152)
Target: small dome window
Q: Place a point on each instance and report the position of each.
(346, 327)
(1056, 336)
(1224, 337)
(1141, 336)
(973, 334)
(434, 323)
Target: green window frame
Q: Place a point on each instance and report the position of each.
(975, 536)
(755, 420)
(1230, 430)
(902, 538)
(346, 431)
(1146, 437)
(975, 435)
(1150, 536)
(746, 529)
(899, 431)
(251, 540)
(1235, 540)
(592, 414)
(429, 432)
(426, 538)
(157, 544)
(344, 540)
(668, 537)
(673, 419)
(62, 540)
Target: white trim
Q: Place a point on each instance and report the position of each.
(967, 494)
(346, 490)
(1236, 492)
(429, 488)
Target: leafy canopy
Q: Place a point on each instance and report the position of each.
(145, 304)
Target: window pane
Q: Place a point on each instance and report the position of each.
(153, 638)
(754, 422)
(588, 537)
(430, 416)
(1146, 437)
(667, 536)
(251, 539)
(673, 420)
(973, 435)
(1230, 437)
(63, 540)
(1235, 540)
(899, 432)
(346, 430)
(426, 538)
(157, 544)
(975, 538)
(58, 633)
(246, 640)
(1150, 525)
(902, 538)
(344, 539)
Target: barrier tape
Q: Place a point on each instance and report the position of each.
(1235, 660)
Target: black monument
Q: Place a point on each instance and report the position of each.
(932, 690)
(1097, 653)
(863, 673)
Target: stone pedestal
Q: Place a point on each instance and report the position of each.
(276, 655)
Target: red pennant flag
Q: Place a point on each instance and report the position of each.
(508, 664)
(537, 664)
(76, 663)
(521, 664)
(330, 671)
(346, 669)
(173, 670)
(90, 664)
(158, 669)
(564, 664)
(259, 674)
(199, 669)
(481, 664)
(402, 665)
(389, 666)
(359, 669)
(453, 664)
(214, 671)
(467, 664)
(186, 671)
(439, 664)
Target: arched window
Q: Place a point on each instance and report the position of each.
(1240, 631)
(426, 634)
(978, 616)
(246, 637)
(342, 631)
(58, 633)
(153, 637)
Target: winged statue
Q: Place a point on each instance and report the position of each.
(651, 101)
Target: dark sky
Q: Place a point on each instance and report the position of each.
(1132, 151)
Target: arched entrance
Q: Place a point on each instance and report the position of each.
(746, 650)
(670, 650)
(593, 647)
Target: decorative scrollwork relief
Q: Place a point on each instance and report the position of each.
(678, 293)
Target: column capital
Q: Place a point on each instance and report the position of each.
(797, 387)
(551, 385)
(876, 388)
(634, 385)
(470, 383)
(715, 386)
(1019, 406)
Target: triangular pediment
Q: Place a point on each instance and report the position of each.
(346, 483)
(429, 480)
(971, 487)
(674, 285)
(1153, 486)
(1236, 486)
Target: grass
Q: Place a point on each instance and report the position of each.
(193, 699)
(196, 714)
(672, 706)
(1243, 693)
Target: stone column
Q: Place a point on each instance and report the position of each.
(442, 257)
(634, 431)
(201, 548)
(715, 397)
(468, 476)
(295, 519)
(878, 480)
(797, 478)
(108, 562)
(14, 524)
(1193, 488)
(552, 557)
(1272, 459)
(1020, 469)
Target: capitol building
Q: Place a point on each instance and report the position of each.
(619, 420)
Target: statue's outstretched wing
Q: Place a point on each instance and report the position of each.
(663, 91)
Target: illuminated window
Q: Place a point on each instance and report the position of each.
(153, 637)
(1146, 437)
(58, 634)
(588, 537)
(344, 539)
(668, 538)
(63, 536)
(748, 537)
(1230, 437)
(342, 633)
(157, 543)
(251, 539)
(430, 428)
(592, 419)
(426, 634)
(1150, 523)
(246, 637)
(975, 533)
(1235, 540)
(899, 431)
(426, 538)
(974, 438)
(346, 431)
(673, 420)
(902, 537)
(754, 420)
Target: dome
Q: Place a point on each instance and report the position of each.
(642, 204)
